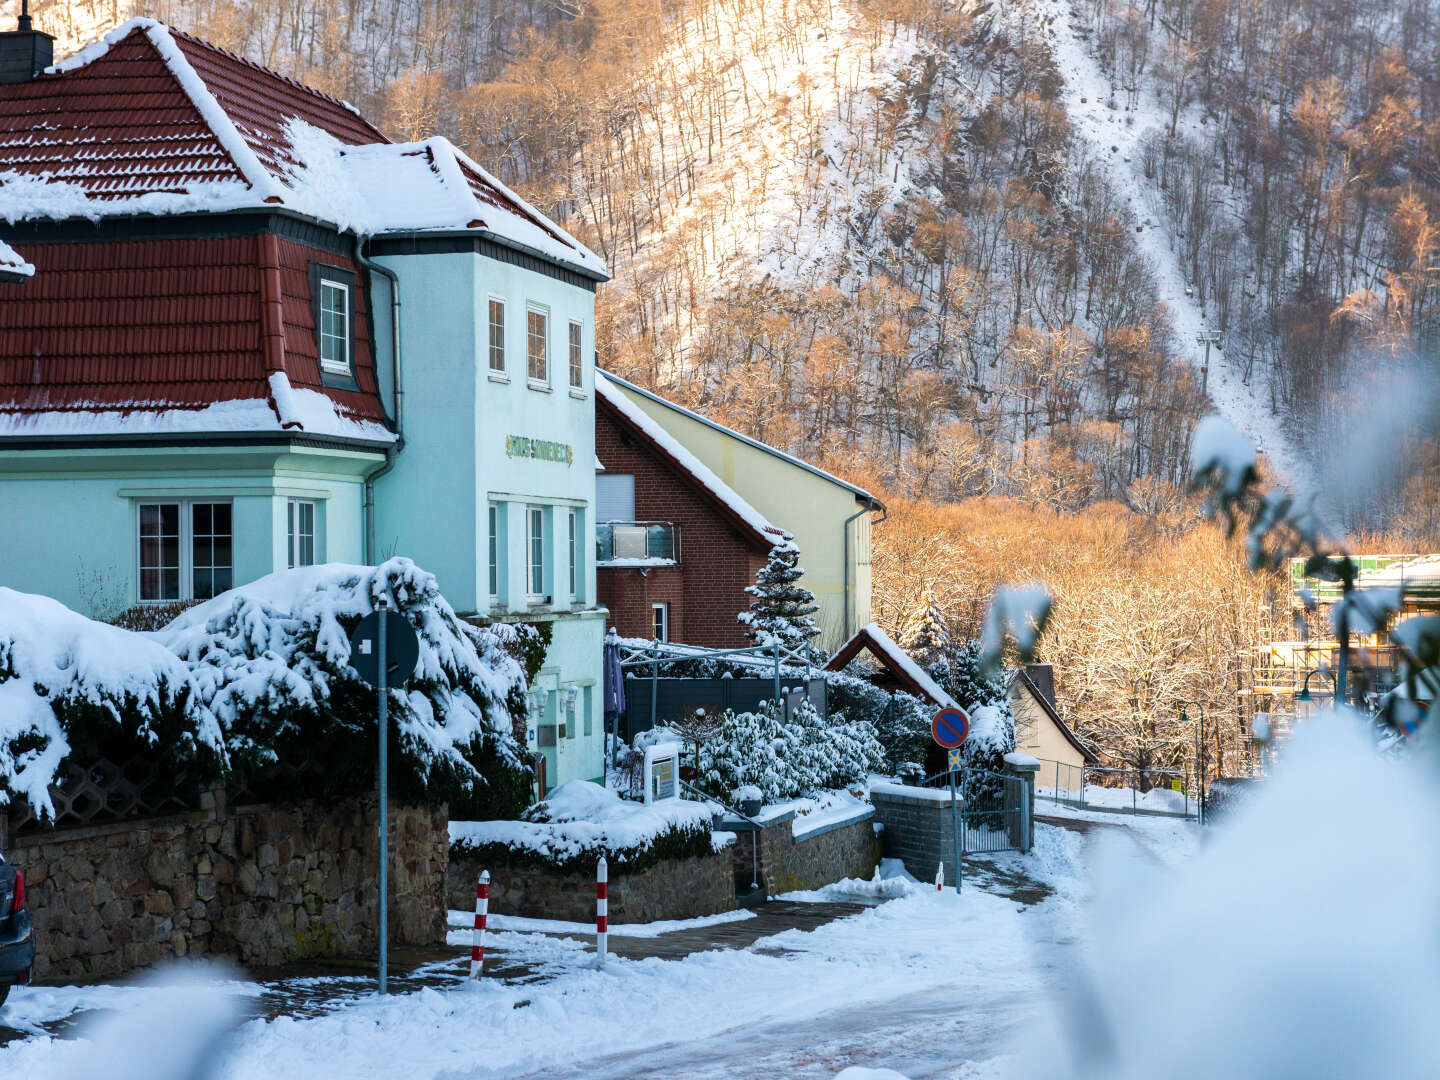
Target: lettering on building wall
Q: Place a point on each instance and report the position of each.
(543, 449)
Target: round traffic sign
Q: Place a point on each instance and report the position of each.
(950, 726)
(402, 649)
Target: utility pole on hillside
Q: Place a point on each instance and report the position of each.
(1207, 338)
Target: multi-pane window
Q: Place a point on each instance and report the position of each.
(497, 335)
(159, 551)
(211, 561)
(576, 364)
(494, 550)
(537, 330)
(574, 549)
(660, 622)
(185, 550)
(535, 543)
(334, 327)
(300, 532)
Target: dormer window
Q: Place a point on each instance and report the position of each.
(332, 290)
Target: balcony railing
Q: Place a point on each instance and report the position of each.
(621, 543)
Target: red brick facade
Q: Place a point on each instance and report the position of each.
(718, 559)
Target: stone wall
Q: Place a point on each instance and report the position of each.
(918, 830)
(830, 853)
(262, 884)
(674, 889)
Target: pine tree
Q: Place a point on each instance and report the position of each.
(992, 722)
(926, 635)
(782, 608)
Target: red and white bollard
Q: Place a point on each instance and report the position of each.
(602, 910)
(940, 877)
(482, 908)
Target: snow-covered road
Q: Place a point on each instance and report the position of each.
(931, 984)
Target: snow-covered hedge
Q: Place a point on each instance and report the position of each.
(901, 721)
(581, 821)
(787, 760)
(258, 680)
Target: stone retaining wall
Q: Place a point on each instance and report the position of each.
(261, 884)
(830, 853)
(674, 889)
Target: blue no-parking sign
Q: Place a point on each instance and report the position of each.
(950, 726)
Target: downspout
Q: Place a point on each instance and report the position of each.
(870, 505)
(393, 450)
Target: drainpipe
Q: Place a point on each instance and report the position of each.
(393, 450)
(870, 504)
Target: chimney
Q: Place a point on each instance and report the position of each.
(24, 52)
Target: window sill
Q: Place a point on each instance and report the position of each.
(578, 394)
(634, 564)
(543, 387)
(498, 376)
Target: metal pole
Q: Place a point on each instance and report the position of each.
(776, 645)
(1340, 674)
(955, 834)
(384, 788)
(602, 910)
(654, 683)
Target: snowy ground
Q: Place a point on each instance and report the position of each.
(929, 983)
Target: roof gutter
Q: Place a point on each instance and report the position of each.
(392, 451)
(871, 504)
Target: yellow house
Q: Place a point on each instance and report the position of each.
(1041, 733)
(829, 518)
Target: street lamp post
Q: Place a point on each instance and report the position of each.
(1199, 754)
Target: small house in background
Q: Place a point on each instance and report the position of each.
(1039, 730)
(829, 518)
(676, 546)
(895, 670)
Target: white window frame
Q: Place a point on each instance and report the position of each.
(335, 367)
(576, 340)
(662, 609)
(492, 346)
(185, 513)
(541, 380)
(573, 540)
(294, 535)
(495, 537)
(535, 552)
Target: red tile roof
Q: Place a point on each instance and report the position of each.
(149, 325)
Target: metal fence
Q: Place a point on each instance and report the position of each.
(1162, 792)
(992, 809)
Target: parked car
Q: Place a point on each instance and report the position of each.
(17, 939)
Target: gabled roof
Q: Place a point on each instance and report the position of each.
(151, 120)
(895, 660)
(13, 267)
(858, 492)
(1018, 677)
(750, 520)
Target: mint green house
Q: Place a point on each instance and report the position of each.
(268, 341)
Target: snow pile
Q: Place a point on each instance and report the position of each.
(581, 821)
(1300, 988)
(12, 263)
(799, 758)
(60, 671)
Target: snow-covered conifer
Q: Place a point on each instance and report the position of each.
(782, 608)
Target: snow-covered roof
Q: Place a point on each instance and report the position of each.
(206, 130)
(295, 410)
(859, 492)
(13, 266)
(612, 395)
(883, 647)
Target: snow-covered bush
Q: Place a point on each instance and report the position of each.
(257, 683)
(900, 720)
(992, 723)
(73, 687)
(784, 760)
(271, 661)
(581, 821)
